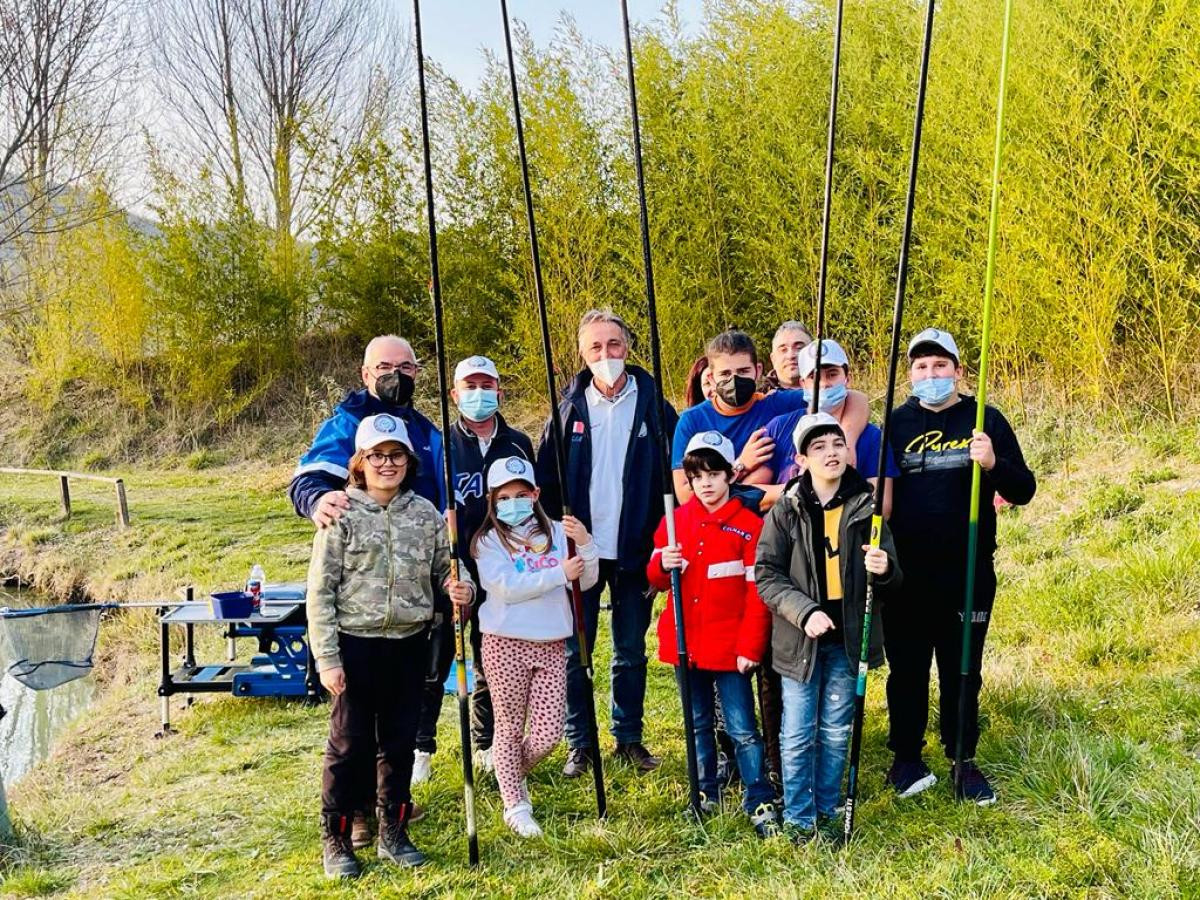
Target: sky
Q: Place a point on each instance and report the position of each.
(455, 32)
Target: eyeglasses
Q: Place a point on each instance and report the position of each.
(396, 458)
(408, 368)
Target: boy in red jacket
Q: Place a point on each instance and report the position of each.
(727, 625)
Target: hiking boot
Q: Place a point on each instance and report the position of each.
(638, 756)
(973, 785)
(765, 820)
(337, 854)
(519, 817)
(361, 831)
(910, 778)
(483, 760)
(422, 767)
(579, 761)
(394, 844)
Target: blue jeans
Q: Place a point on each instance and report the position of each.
(737, 704)
(630, 619)
(817, 718)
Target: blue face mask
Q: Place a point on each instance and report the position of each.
(934, 391)
(514, 510)
(478, 404)
(829, 397)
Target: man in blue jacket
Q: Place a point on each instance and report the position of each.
(389, 371)
(614, 485)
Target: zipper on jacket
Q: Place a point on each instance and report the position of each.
(387, 613)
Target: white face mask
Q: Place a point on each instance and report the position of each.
(607, 371)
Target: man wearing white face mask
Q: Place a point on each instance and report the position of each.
(476, 440)
(610, 429)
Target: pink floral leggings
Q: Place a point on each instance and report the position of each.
(528, 683)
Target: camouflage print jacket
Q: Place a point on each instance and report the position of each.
(373, 573)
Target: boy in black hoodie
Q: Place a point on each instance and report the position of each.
(933, 438)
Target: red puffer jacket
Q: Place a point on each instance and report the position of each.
(723, 615)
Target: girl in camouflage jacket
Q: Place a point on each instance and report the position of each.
(371, 584)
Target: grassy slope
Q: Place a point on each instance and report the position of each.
(1092, 702)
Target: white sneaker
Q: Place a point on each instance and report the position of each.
(422, 767)
(520, 819)
(483, 760)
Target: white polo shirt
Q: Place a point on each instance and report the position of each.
(612, 426)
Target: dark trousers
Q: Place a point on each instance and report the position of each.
(373, 723)
(630, 619)
(441, 655)
(922, 622)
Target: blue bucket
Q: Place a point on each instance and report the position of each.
(231, 605)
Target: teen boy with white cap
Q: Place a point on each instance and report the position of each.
(476, 440)
(933, 438)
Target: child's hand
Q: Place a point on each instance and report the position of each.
(818, 623)
(875, 559)
(334, 680)
(672, 557)
(575, 531)
(982, 451)
(573, 568)
(460, 592)
(745, 666)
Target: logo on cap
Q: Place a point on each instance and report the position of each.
(712, 438)
(515, 466)
(385, 424)
(478, 361)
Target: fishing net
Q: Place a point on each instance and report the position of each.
(43, 648)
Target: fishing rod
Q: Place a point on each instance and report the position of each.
(814, 404)
(556, 435)
(980, 405)
(439, 340)
(860, 692)
(668, 488)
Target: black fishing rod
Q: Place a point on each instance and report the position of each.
(860, 695)
(668, 488)
(439, 339)
(556, 435)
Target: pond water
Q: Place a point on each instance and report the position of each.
(35, 718)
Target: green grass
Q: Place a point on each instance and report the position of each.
(1091, 708)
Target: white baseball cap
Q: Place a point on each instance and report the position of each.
(810, 423)
(375, 430)
(712, 440)
(936, 337)
(832, 354)
(511, 468)
(475, 365)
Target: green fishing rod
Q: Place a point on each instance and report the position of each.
(989, 282)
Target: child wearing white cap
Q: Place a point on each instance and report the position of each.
(525, 570)
(371, 584)
(726, 625)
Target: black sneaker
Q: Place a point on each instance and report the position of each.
(637, 756)
(579, 761)
(973, 785)
(799, 835)
(831, 829)
(910, 778)
(765, 820)
(393, 843)
(337, 855)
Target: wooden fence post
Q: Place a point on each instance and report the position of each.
(122, 505)
(64, 490)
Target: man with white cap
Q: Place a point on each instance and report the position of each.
(610, 429)
(478, 438)
(934, 440)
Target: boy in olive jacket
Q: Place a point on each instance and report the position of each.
(811, 570)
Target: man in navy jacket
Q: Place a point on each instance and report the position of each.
(614, 486)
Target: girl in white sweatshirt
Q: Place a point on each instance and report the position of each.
(523, 567)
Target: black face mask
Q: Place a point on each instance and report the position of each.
(395, 388)
(736, 391)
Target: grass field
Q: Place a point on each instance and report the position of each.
(1091, 706)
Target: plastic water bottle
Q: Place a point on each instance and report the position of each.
(254, 586)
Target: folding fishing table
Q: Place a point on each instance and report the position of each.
(283, 667)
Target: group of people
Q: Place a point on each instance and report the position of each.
(772, 551)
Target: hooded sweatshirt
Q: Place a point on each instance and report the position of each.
(931, 500)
